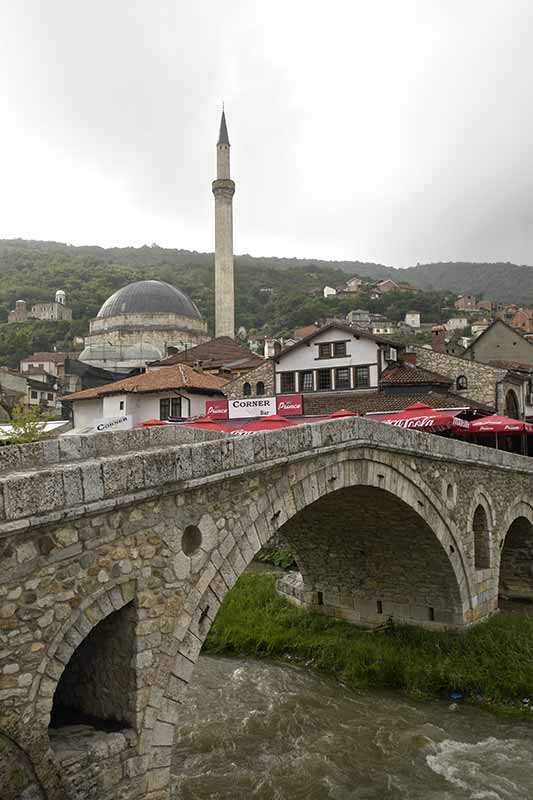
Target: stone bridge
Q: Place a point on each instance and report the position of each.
(117, 550)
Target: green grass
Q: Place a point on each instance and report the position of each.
(490, 664)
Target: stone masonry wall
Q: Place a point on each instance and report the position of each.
(264, 372)
(482, 378)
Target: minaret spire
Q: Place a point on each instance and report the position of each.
(224, 189)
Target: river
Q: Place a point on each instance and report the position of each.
(257, 729)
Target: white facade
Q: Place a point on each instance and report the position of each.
(456, 324)
(412, 318)
(329, 291)
(354, 362)
(140, 406)
(381, 328)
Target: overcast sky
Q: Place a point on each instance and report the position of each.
(394, 131)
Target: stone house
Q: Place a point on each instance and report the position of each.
(500, 342)
(466, 302)
(523, 319)
(505, 390)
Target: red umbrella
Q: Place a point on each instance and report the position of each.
(342, 413)
(151, 423)
(491, 424)
(207, 423)
(271, 423)
(421, 416)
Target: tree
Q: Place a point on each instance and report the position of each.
(26, 425)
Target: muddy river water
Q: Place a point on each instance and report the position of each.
(257, 729)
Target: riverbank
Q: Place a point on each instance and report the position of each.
(490, 665)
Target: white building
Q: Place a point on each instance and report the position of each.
(412, 318)
(335, 358)
(329, 291)
(456, 324)
(178, 391)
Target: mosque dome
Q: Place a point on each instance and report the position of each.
(149, 297)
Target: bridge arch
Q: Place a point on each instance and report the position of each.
(516, 553)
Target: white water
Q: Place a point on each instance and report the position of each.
(273, 732)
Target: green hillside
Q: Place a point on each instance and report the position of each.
(273, 295)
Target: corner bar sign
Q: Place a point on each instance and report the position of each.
(286, 405)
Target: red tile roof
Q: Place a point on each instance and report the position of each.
(164, 379)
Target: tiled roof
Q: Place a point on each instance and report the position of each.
(354, 330)
(363, 403)
(180, 376)
(58, 357)
(512, 365)
(407, 376)
(220, 352)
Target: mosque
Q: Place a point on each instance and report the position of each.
(149, 320)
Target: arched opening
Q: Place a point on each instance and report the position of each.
(260, 388)
(480, 527)
(247, 390)
(511, 405)
(516, 562)
(98, 684)
(461, 383)
(365, 556)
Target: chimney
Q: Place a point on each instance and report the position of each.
(438, 335)
(409, 356)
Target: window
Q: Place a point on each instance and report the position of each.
(362, 377)
(461, 382)
(121, 405)
(260, 388)
(169, 407)
(339, 349)
(342, 378)
(247, 390)
(324, 350)
(287, 381)
(164, 408)
(306, 381)
(175, 407)
(50, 396)
(323, 379)
(34, 395)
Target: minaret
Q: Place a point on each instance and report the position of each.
(223, 189)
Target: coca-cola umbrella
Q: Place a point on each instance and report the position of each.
(343, 412)
(422, 417)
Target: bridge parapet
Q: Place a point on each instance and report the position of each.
(100, 472)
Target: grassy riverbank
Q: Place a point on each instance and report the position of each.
(491, 664)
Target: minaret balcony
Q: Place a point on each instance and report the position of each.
(223, 187)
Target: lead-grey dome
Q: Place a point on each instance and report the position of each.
(149, 297)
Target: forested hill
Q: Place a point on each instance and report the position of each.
(32, 269)
(273, 295)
